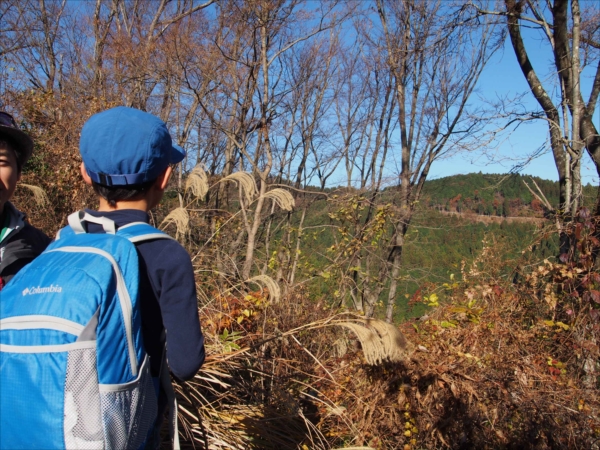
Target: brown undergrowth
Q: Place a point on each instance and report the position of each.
(499, 364)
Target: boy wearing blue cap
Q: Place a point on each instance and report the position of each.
(126, 156)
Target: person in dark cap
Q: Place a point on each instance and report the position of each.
(20, 243)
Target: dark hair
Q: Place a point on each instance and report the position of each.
(114, 194)
(7, 143)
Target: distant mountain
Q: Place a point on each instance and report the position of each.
(494, 194)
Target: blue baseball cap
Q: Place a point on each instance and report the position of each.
(123, 146)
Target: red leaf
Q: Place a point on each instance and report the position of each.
(578, 229)
(595, 295)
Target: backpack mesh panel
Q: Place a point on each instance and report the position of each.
(82, 424)
(130, 412)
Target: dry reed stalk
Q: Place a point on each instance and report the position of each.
(270, 284)
(181, 219)
(380, 341)
(39, 195)
(283, 198)
(197, 182)
(246, 181)
(372, 347)
(395, 344)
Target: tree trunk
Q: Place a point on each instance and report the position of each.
(395, 263)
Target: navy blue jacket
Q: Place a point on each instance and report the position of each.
(169, 302)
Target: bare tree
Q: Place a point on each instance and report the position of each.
(364, 107)
(255, 37)
(572, 35)
(435, 54)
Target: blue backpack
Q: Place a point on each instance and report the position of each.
(73, 370)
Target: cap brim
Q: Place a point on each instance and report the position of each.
(21, 140)
(177, 154)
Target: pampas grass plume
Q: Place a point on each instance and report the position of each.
(181, 219)
(380, 340)
(246, 181)
(39, 195)
(197, 182)
(270, 284)
(283, 198)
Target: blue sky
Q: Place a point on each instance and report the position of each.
(503, 77)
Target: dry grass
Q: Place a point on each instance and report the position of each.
(282, 198)
(281, 384)
(39, 195)
(270, 284)
(246, 182)
(380, 341)
(488, 369)
(197, 182)
(179, 217)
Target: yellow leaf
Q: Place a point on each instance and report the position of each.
(564, 326)
(549, 323)
(240, 319)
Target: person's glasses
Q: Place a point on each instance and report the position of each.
(7, 120)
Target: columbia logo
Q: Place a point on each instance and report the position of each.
(41, 290)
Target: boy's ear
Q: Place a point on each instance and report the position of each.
(163, 179)
(85, 175)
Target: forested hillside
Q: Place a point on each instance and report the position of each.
(499, 195)
(439, 244)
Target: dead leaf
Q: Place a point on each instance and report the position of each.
(401, 397)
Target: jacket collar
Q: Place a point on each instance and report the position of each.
(17, 219)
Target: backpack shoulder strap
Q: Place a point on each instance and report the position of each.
(140, 231)
(134, 232)
(78, 219)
